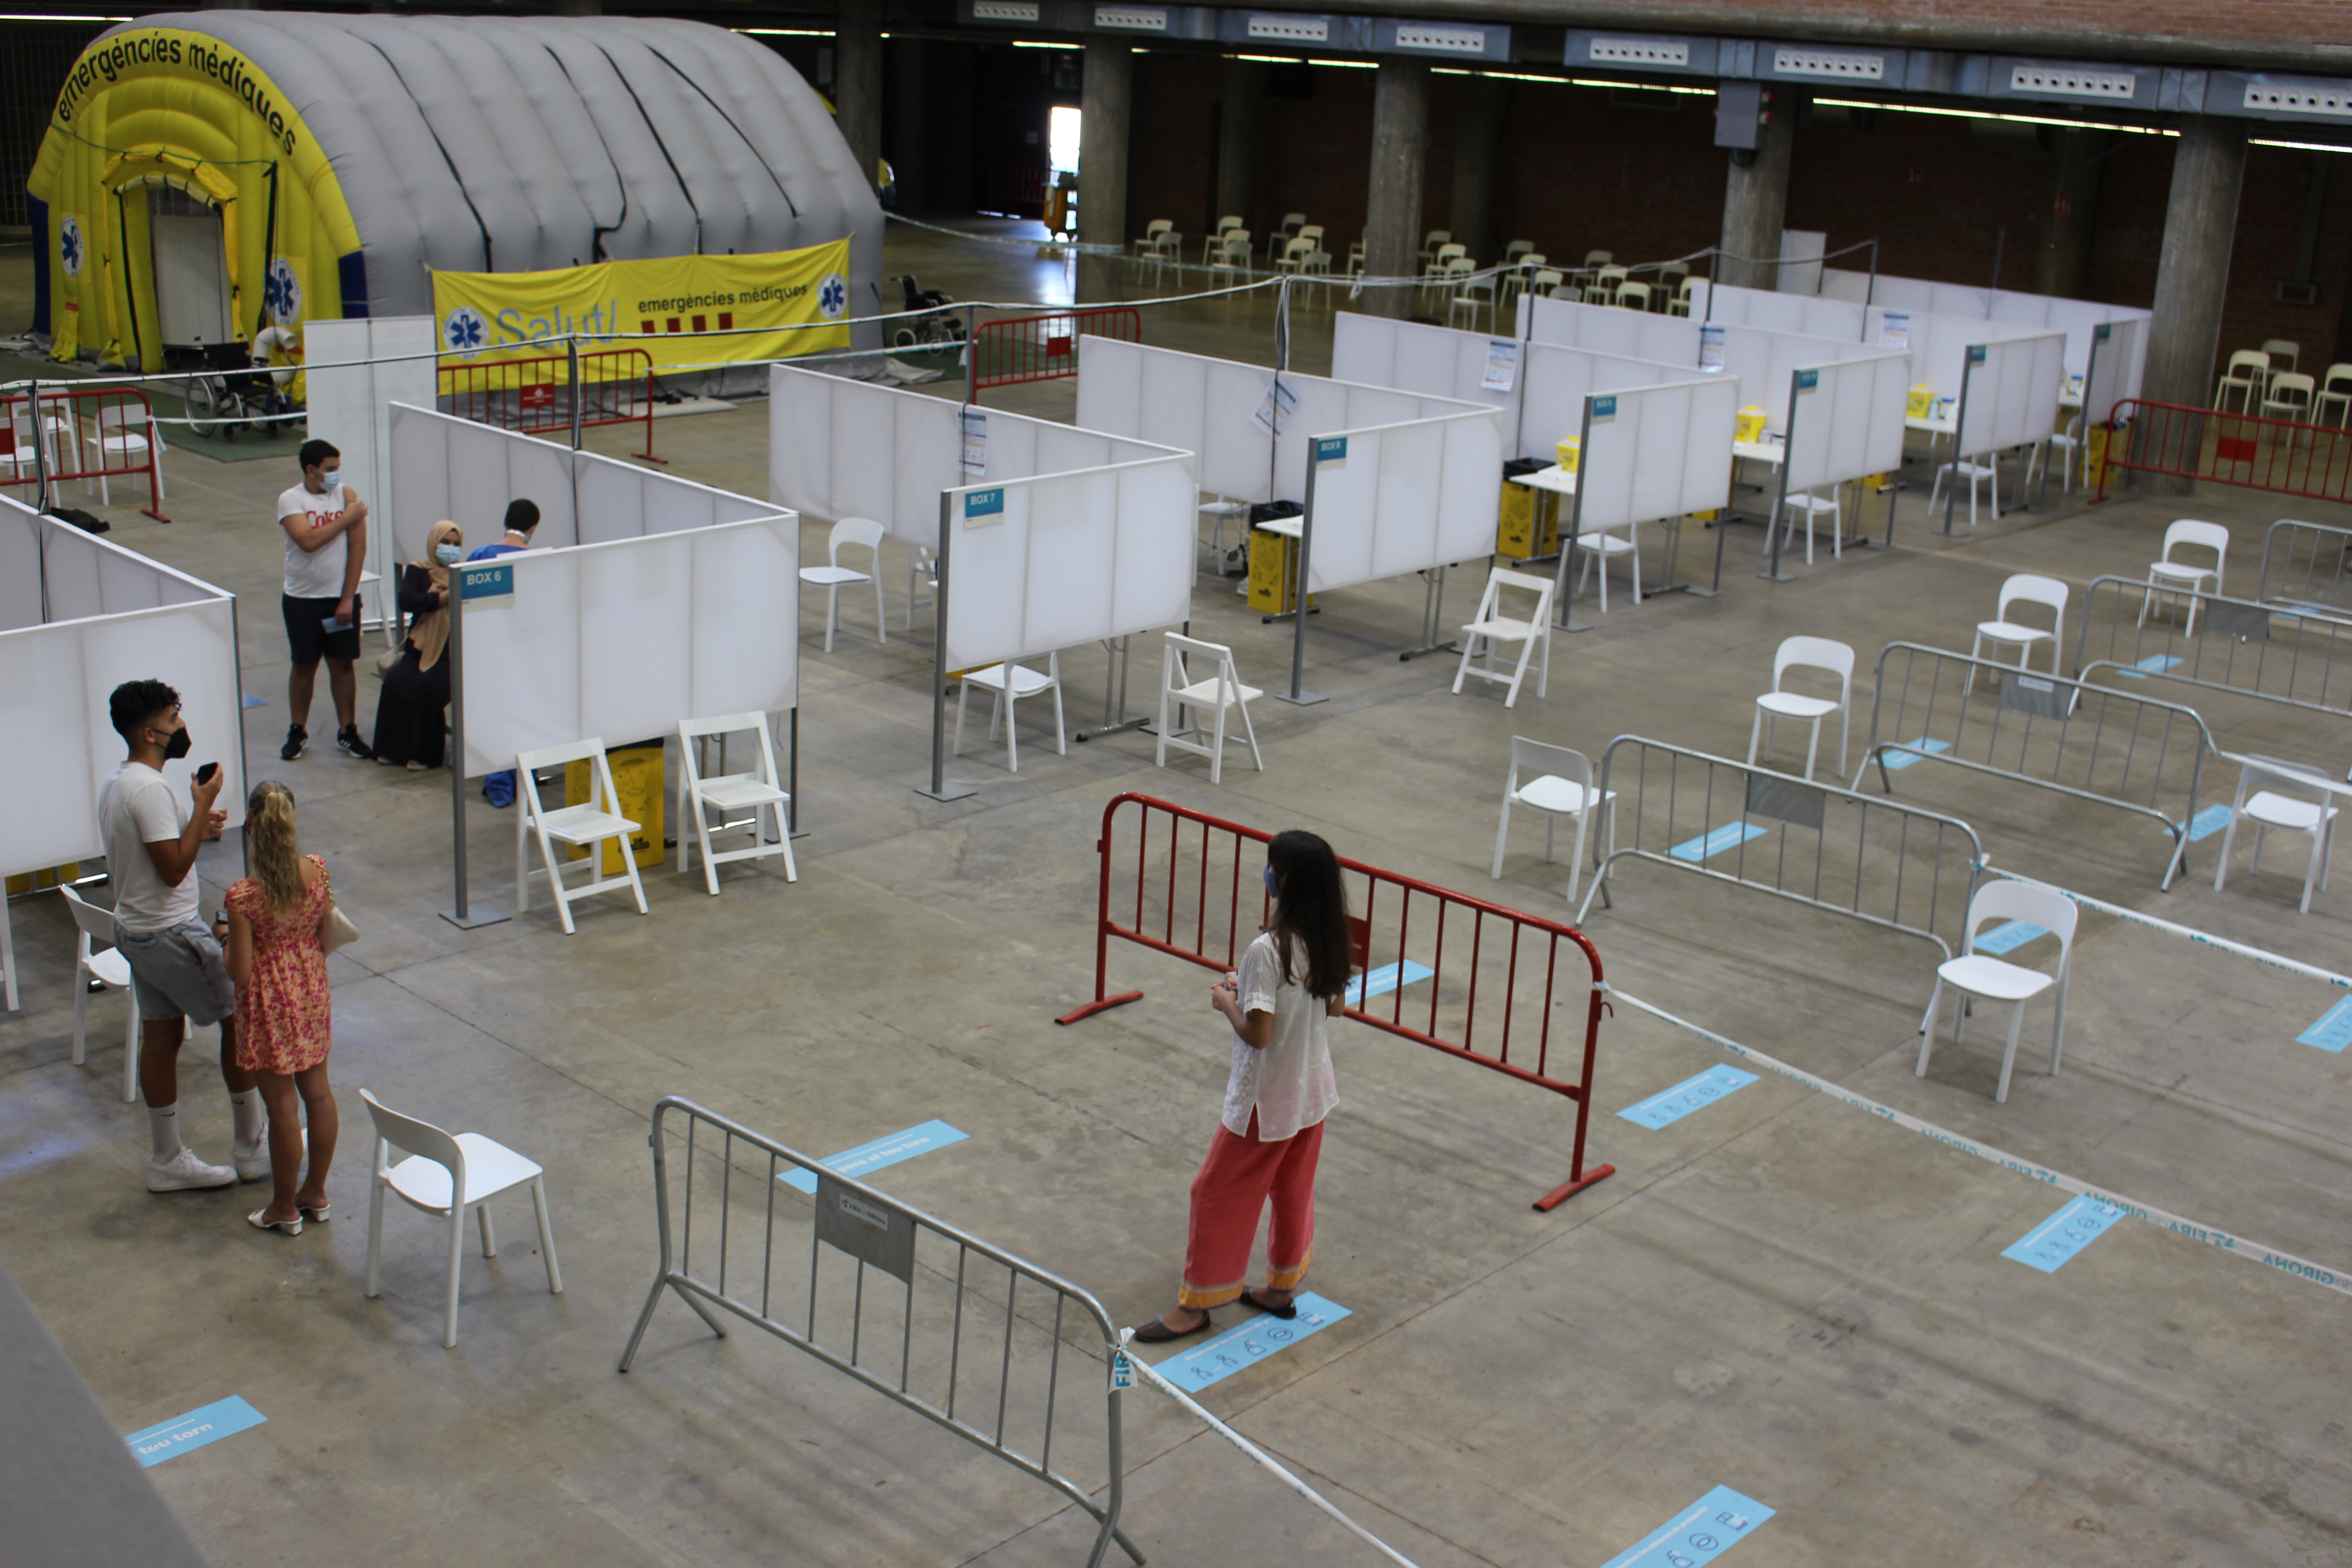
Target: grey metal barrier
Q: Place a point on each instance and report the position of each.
(2116, 748)
(2296, 655)
(2307, 565)
(956, 1287)
(1872, 859)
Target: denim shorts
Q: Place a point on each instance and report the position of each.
(178, 971)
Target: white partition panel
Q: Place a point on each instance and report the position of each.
(1052, 560)
(467, 472)
(1605, 328)
(1738, 306)
(1406, 497)
(353, 372)
(1848, 422)
(1414, 356)
(55, 678)
(2118, 349)
(624, 639)
(1764, 362)
(1653, 452)
(2078, 319)
(1558, 379)
(20, 566)
(2012, 396)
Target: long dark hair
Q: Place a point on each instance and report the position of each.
(1310, 912)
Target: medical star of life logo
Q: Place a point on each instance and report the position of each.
(69, 245)
(282, 292)
(833, 295)
(465, 331)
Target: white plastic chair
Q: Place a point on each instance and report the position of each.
(2336, 391)
(2267, 809)
(1602, 544)
(1563, 789)
(2248, 374)
(475, 1168)
(129, 433)
(112, 971)
(756, 791)
(1489, 625)
(588, 825)
(1809, 506)
(1982, 977)
(1976, 474)
(1010, 683)
(2069, 443)
(1232, 223)
(2166, 573)
(1631, 295)
(2023, 589)
(865, 533)
(1806, 653)
(2285, 353)
(1221, 693)
(922, 561)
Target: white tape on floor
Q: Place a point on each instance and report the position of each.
(2260, 955)
(2335, 1279)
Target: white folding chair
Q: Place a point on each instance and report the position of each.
(1010, 683)
(1806, 653)
(127, 432)
(1221, 693)
(2023, 589)
(2166, 573)
(756, 791)
(1980, 976)
(445, 1176)
(588, 825)
(2266, 809)
(865, 533)
(1563, 789)
(112, 971)
(1489, 625)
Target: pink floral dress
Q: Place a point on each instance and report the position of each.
(283, 1019)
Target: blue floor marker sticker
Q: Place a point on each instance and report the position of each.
(1384, 979)
(197, 1427)
(253, 701)
(2154, 663)
(2333, 1031)
(2009, 936)
(2206, 822)
(1687, 1095)
(1731, 835)
(1249, 1343)
(1699, 1534)
(870, 1157)
(1895, 761)
(2073, 1228)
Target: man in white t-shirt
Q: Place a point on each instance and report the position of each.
(176, 972)
(326, 550)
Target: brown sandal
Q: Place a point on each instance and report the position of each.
(1157, 1333)
(1287, 1311)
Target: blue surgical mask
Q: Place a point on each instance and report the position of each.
(448, 554)
(1267, 876)
(331, 478)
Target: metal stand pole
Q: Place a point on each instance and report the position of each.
(572, 348)
(1115, 719)
(1567, 621)
(1432, 614)
(793, 784)
(40, 453)
(1298, 694)
(1959, 424)
(464, 917)
(1776, 521)
(940, 788)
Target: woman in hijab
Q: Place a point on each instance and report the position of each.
(409, 727)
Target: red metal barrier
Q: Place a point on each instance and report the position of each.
(1507, 984)
(535, 395)
(1043, 348)
(105, 433)
(2278, 455)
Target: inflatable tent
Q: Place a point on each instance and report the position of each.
(205, 174)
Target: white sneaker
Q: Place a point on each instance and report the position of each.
(252, 1161)
(183, 1171)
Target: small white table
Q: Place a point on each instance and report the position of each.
(1557, 479)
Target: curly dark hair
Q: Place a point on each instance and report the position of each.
(135, 702)
(1310, 912)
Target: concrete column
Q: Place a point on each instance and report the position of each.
(1478, 149)
(857, 81)
(1393, 210)
(1756, 202)
(1241, 108)
(2192, 271)
(1106, 105)
(910, 107)
(2063, 265)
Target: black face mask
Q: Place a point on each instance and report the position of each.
(178, 745)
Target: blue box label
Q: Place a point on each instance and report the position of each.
(1604, 408)
(983, 503)
(1699, 1535)
(2049, 1245)
(883, 1152)
(486, 580)
(1687, 1095)
(1731, 835)
(2333, 1030)
(1330, 448)
(1808, 379)
(219, 1419)
(1248, 1341)
(1976, 354)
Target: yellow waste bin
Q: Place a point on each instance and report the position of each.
(638, 775)
(48, 876)
(1528, 523)
(1273, 557)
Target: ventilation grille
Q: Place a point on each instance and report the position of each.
(1003, 10)
(2109, 84)
(1292, 29)
(1639, 52)
(2301, 100)
(1448, 40)
(1840, 68)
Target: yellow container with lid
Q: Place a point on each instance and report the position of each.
(1751, 425)
(1569, 452)
(1921, 405)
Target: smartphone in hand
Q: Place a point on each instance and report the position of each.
(205, 771)
(333, 625)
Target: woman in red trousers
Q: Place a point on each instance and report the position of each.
(1291, 980)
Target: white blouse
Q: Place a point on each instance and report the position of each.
(1289, 1083)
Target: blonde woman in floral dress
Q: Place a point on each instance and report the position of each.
(283, 1022)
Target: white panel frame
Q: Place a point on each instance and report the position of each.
(354, 370)
(1849, 422)
(1408, 497)
(2012, 395)
(1665, 452)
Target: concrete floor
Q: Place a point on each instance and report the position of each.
(1777, 1293)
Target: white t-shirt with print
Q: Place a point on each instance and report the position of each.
(315, 574)
(139, 807)
(1289, 1083)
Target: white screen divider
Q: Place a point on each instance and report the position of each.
(1404, 497)
(2011, 393)
(2118, 350)
(2076, 317)
(1847, 420)
(353, 372)
(1414, 356)
(1555, 380)
(1607, 329)
(1652, 452)
(1813, 316)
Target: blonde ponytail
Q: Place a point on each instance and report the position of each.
(276, 853)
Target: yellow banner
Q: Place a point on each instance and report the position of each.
(756, 302)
